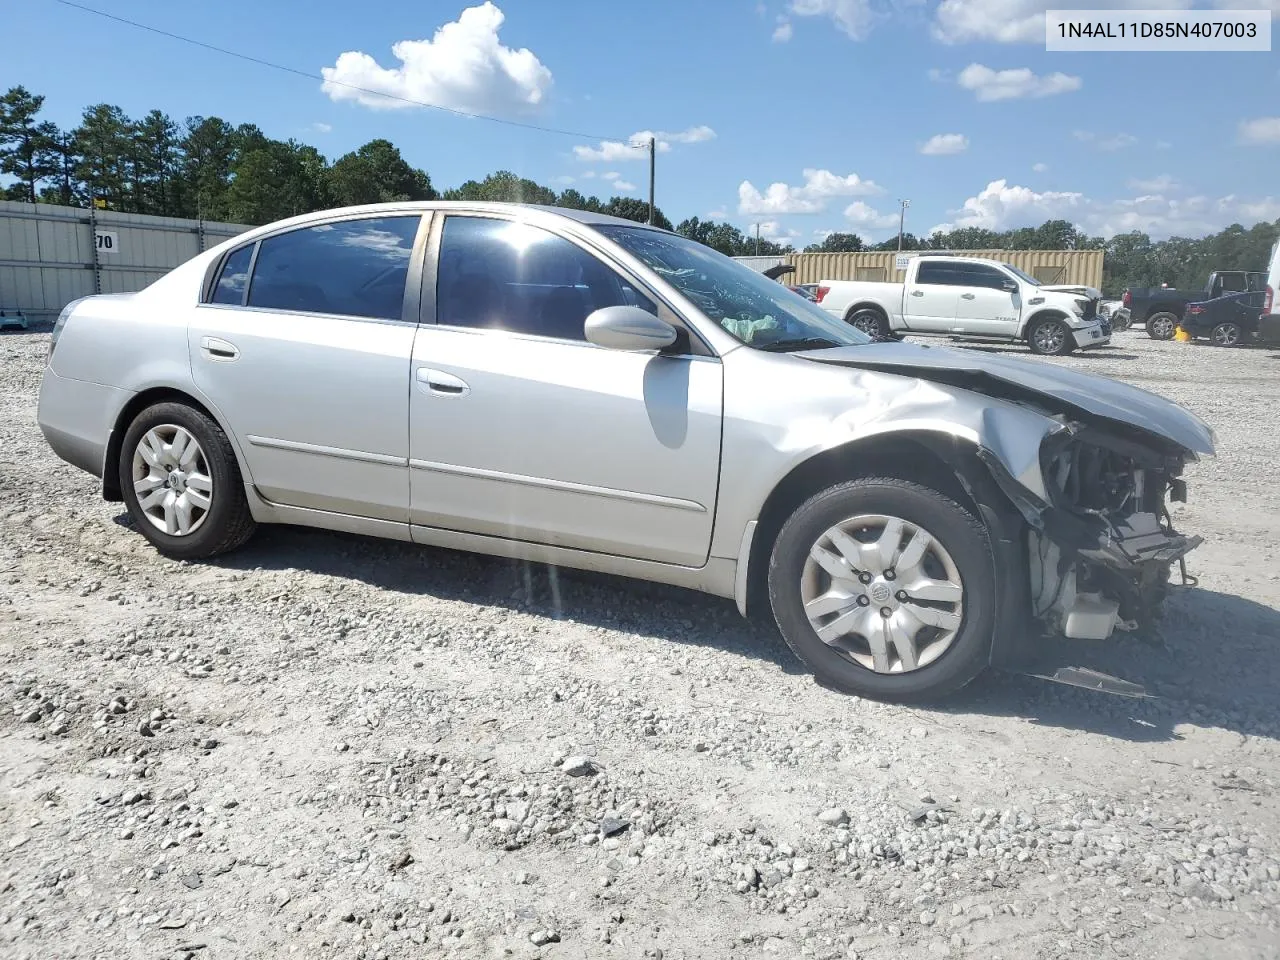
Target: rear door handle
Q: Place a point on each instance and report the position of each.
(967, 296)
(442, 384)
(215, 348)
(917, 293)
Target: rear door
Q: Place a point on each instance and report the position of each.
(303, 344)
(929, 299)
(984, 306)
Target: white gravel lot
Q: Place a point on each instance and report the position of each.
(330, 746)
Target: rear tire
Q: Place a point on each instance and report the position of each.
(1050, 337)
(183, 467)
(1162, 326)
(871, 322)
(956, 570)
(1228, 334)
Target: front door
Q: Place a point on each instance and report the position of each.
(521, 429)
(929, 301)
(984, 306)
(304, 346)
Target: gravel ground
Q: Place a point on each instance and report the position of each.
(338, 747)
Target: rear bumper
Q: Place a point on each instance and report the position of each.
(76, 417)
(1269, 329)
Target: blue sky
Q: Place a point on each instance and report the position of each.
(804, 115)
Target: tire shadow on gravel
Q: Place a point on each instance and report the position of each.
(557, 593)
(1217, 664)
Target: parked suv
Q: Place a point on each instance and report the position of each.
(569, 388)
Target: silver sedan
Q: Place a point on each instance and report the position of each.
(573, 389)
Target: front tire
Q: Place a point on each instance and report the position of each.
(181, 483)
(1227, 334)
(1162, 326)
(885, 589)
(1049, 337)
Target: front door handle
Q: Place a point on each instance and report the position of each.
(442, 384)
(917, 293)
(215, 348)
(967, 296)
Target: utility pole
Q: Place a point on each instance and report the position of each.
(653, 157)
(902, 221)
(757, 239)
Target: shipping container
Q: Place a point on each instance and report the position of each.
(51, 255)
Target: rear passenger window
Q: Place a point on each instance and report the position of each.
(935, 273)
(354, 268)
(513, 276)
(234, 277)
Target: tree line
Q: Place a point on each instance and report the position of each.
(206, 168)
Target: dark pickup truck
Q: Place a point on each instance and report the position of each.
(1161, 308)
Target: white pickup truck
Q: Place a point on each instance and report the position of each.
(966, 297)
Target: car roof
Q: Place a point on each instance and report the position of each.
(468, 206)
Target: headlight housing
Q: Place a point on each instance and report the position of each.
(1080, 307)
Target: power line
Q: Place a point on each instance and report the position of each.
(339, 83)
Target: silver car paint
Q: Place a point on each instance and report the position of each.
(779, 411)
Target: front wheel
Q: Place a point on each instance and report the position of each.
(1049, 337)
(885, 589)
(181, 483)
(1227, 334)
(1162, 326)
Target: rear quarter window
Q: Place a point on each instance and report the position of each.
(233, 278)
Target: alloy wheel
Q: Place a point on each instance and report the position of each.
(1163, 328)
(172, 480)
(884, 592)
(1226, 334)
(1050, 338)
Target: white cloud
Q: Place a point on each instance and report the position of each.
(610, 175)
(1040, 168)
(864, 216)
(811, 197)
(1017, 21)
(463, 67)
(852, 17)
(1262, 130)
(1161, 184)
(624, 185)
(637, 145)
(772, 230)
(990, 85)
(320, 127)
(782, 32)
(945, 144)
(1108, 142)
(1001, 206)
(719, 213)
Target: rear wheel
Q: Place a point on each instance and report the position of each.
(1162, 326)
(871, 322)
(885, 589)
(1227, 334)
(181, 483)
(1049, 337)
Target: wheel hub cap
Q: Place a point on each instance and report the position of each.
(883, 592)
(172, 481)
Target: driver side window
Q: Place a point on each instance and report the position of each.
(354, 268)
(513, 276)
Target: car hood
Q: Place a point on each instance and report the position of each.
(1091, 292)
(1055, 388)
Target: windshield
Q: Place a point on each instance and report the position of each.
(1021, 274)
(760, 312)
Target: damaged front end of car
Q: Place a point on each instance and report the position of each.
(1101, 555)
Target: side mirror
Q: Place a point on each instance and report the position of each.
(1010, 286)
(628, 328)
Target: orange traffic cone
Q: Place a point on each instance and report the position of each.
(1182, 336)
